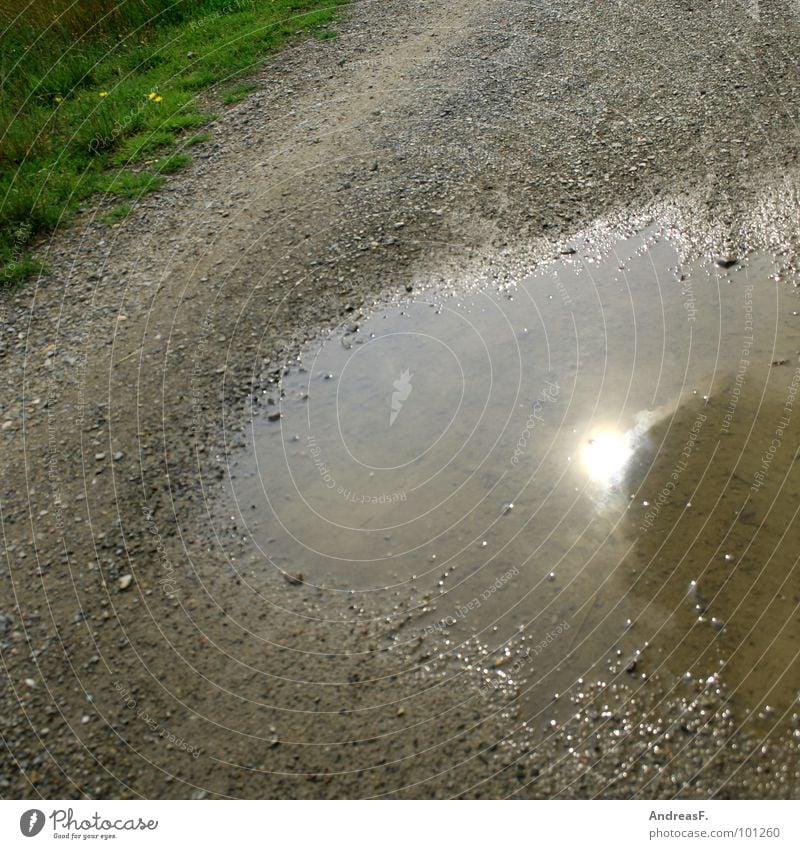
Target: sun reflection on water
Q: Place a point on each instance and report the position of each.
(606, 455)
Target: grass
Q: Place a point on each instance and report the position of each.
(118, 213)
(173, 163)
(238, 92)
(18, 271)
(92, 90)
(197, 138)
(129, 184)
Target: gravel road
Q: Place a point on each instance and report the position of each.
(144, 653)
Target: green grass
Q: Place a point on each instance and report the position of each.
(173, 163)
(129, 184)
(197, 138)
(118, 213)
(17, 271)
(93, 89)
(238, 92)
(142, 144)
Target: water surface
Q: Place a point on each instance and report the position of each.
(599, 455)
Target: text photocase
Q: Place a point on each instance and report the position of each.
(402, 388)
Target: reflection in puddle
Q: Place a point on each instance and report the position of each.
(608, 455)
(604, 452)
(717, 547)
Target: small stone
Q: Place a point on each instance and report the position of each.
(30, 683)
(294, 580)
(100, 456)
(274, 417)
(125, 581)
(727, 261)
(118, 455)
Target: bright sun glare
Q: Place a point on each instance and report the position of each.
(606, 454)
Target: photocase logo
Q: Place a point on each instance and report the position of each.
(31, 822)
(402, 391)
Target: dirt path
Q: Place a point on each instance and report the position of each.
(430, 136)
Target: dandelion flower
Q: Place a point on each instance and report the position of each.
(152, 95)
(158, 98)
(58, 98)
(103, 94)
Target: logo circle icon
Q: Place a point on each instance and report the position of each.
(31, 822)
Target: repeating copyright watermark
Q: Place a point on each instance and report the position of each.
(744, 360)
(21, 236)
(665, 493)
(548, 395)
(780, 429)
(488, 687)
(330, 482)
(463, 610)
(153, 723)
(167, 579)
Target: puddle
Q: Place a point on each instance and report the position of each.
(600, 456)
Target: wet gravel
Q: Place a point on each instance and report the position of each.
(145, 652)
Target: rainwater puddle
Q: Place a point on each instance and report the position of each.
(600, 457)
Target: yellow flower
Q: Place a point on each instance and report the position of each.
(58, 98)
(152, 96)
(103, 94)
(158, 98)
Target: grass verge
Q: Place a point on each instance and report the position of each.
(118, 213)
(90, 90)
